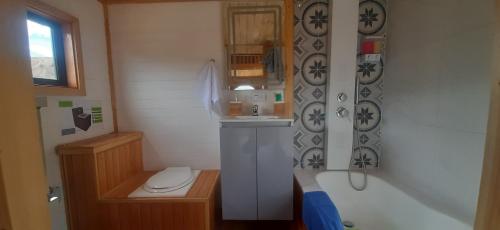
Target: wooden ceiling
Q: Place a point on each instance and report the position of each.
(145, 1)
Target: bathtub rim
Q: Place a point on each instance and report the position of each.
(371, 175)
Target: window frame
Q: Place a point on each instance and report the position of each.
(57, 48)
(68, 58)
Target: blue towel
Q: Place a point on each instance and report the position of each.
(319, 213)
(273, 63)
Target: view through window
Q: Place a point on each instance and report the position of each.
(41, 51)
(46, 50)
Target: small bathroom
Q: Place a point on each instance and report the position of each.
(249, 114)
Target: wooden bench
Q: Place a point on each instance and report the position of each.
(99, 173)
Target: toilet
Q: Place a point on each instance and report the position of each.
(170, 182)
(170, 179)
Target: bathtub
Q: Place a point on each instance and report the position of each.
(382, 206)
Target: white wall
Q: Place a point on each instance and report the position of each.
(436, 97)
(90, 15)
(158, 51)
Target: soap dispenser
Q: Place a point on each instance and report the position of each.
(279, 104)
(235, 107)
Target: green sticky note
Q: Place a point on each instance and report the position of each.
(278, 97)
(65, 104)
(96, 109)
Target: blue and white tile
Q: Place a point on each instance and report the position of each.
(311, 77)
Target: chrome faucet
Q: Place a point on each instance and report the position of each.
(255, 110)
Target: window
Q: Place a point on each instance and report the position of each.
(55, 52)
(47, 51)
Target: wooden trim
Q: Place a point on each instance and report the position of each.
(111, 73)
(145, 1)
(99, 144)
(287, 34)
(488, 211)
(72, 51)
(75, 54)
(202, 189)
(49, 11)
(288, 42)
(42, 90)
(298, 195)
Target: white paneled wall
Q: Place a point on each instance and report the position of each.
(158, 52)
(436, 98)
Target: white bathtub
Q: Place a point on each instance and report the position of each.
(382, 206)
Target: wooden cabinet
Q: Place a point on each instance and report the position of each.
(100, 173)
(257, 173)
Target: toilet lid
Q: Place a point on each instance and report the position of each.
(165, 190)
(170, 178)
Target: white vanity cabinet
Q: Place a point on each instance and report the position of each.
(257, 170)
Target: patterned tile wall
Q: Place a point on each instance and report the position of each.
(372, 25)
(311, 74)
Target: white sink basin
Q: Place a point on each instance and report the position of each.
(256, 120)
(256, 117)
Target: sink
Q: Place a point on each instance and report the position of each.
(256, 121)
(256, 117)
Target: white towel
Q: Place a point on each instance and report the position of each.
(210, 89)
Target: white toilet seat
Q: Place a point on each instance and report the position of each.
(170, 179)
(164, 190)
(181, 191)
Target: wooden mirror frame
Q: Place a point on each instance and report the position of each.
(287, 36)
(248, 56)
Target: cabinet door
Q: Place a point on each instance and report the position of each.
(238, 173)
(275, 173)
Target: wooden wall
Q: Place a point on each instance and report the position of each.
(88, 175)
(81, 195)
(98, 175)
(161, 216)
(253, 30)
(117, 165)
(196, 211)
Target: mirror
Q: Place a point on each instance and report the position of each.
(254, 44)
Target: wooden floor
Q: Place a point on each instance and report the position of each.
(256, 225)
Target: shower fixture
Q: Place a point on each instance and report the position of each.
(342, 112)
(358, 145)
